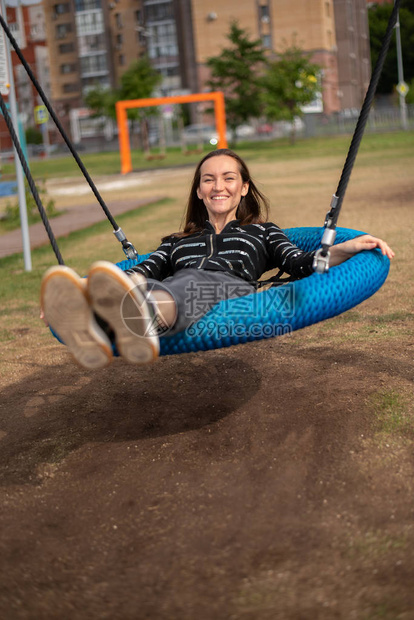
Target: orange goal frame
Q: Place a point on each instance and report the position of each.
(122, 119)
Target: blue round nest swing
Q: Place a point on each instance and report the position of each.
(280, 310)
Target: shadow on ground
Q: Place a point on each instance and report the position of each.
(52, 413)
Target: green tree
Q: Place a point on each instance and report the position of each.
(102, 101)
(378, 16)
(138, 82)
(289, 83)
(236, 72)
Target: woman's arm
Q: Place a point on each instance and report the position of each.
(158, 265)
(342, 251)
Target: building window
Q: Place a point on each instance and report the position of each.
(87, 5)
(159, 12)
(138, 17)
(93, 64)
(91, 43)
(327, 9)
(171, 71)
(119, 41)
(267, 41)
(118, 20)
(62, 30)
(66, 48)
(89, 23)
(60, 9)
(264, 14)
(121, 59)
(71, 87)
(163, 51)
(67, 68)
(162, 40)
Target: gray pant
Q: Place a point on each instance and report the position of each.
(196, 291)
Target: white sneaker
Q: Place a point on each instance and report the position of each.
(64, 301)
(119, 301)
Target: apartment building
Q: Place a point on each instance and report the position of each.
(27, 25)
(91, 43)
(354, 57)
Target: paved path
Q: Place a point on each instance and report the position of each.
(75, 218)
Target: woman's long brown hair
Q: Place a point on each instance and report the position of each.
(253, 208)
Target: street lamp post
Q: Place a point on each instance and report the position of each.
(24, 225)
(402, 87)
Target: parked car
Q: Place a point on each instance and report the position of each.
(245, 131)
(199, 133)
(265, 129)
(283, 129)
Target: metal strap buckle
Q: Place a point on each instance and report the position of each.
(129, 250)
(320, 262)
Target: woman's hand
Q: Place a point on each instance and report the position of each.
(341, 252)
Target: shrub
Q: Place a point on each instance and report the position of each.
(34, 136)
(11, 216)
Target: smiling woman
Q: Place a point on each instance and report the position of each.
(221, 188)
(224, 248)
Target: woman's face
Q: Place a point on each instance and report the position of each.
(221, 187)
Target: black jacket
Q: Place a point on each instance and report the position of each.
(244, 251)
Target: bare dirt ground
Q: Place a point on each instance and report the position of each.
(270, 481)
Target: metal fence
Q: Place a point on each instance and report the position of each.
(380, 119)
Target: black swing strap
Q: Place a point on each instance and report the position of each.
(30, 181)
(127, 246)
(321, 262)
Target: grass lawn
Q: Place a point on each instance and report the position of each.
(299, 180)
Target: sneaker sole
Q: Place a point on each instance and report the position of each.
(66, 308)
(121, 303)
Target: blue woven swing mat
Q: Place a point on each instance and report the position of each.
(284, 308)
